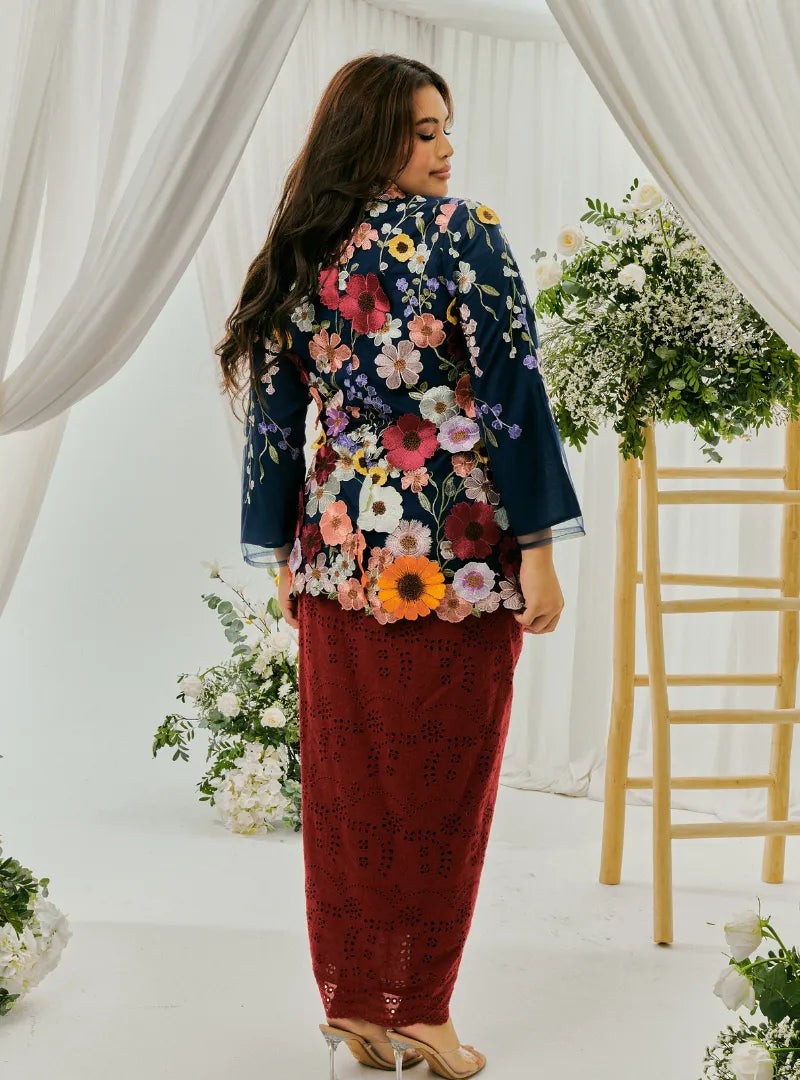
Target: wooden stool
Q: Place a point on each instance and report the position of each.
(781, 717)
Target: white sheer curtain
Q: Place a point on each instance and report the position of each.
(532, 138)
(122, 125)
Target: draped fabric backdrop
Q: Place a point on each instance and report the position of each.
(132, 116)
(135, 177)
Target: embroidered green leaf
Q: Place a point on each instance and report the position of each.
(489, 436)
(490, 289)
(273, 453)
(424, 501)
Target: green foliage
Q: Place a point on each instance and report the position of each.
(18, 891)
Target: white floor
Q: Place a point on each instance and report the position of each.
(189, 952)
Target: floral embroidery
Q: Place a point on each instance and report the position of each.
(419, 349)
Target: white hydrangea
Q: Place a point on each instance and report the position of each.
(25, 959)
(249, 798)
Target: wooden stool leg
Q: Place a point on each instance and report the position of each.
(772, 868)
(619, 736)
(659, 704)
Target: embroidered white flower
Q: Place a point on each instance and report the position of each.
(392, 328)
(464, 277)
(419, 259)
(303, 315)
(380, 507)
(410, 538)
(438, 404)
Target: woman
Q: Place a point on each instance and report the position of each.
(416, 549)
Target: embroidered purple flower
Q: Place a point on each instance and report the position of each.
(402, 284)
(529, 361)
(337, 420)
(262, 428)
(473, 581)
(459, 433)
(432, 283)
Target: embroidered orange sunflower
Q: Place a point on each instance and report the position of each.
(410, 586)
(487, 215)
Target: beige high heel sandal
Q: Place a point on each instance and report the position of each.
(432, 1056)
(363, 1050)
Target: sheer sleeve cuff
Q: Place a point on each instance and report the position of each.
(553, 533)
(258, 555)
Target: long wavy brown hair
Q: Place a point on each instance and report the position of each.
(361, 138)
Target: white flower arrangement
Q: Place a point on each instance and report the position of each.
(769, 1050)
(249, 706)
(640, 324)
(33, 932)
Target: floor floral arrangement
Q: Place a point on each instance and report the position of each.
(770, 1049)
(248, 704)
(640, 324)
(33, 932)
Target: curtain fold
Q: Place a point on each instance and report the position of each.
(122, 125)
(708, 93)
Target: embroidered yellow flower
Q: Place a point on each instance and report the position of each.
(451, 307)
(377, 474)
(487, 215)
(358, 462)
(320, 440)
(402, 247)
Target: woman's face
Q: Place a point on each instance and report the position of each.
(432, 148)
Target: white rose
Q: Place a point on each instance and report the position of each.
(192, 686)
(646, 197)
(548, 273)
(278, 641)
(273, 717)
(632, 274)
(734, 989)
(751, 1061)
(228, 704)
(743, 934)
(569, 240)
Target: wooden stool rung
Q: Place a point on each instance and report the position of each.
(735, 828)
(704, 783)
(736, 495)
(731, 603)
(671, 472)
(733, 716)
(749, 679)
(722, 581)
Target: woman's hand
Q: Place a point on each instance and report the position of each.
(287, 603)
(541, 589)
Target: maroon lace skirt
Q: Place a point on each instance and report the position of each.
(402, 730)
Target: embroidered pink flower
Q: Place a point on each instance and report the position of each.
(335, 524)
(426, 330)
(351, 595)
(364, 235)
(463, 464)
(474, 581)
(416, 479)
(394, 362)
(353, 545)
(452, 607)
(410, 538)
(458, 433)
(329, 287)
(444, 215)
(365, 303)
(379, 559)
(410, 441)
(328, 351)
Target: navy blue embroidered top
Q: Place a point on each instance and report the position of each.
(437, 456)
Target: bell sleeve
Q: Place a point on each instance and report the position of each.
(273, 465)
(526, 454)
